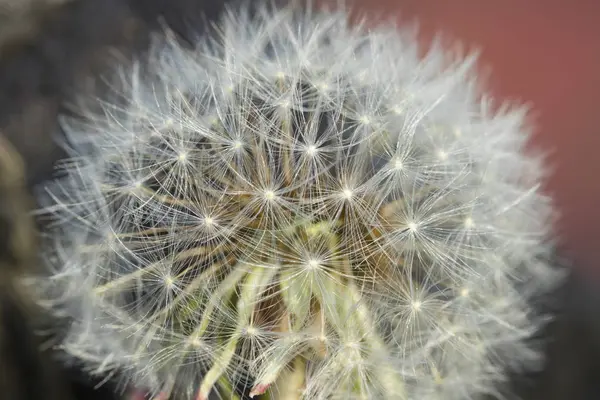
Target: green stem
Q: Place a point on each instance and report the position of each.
(253, 286)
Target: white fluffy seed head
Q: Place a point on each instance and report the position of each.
(291, 207)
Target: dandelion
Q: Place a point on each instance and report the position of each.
(300, 208)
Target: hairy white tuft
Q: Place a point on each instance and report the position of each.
(305, 207)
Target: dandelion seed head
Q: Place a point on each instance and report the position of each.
(169, 281)
(313, 264)
(251, 331)
(284, 104)
(270, 195)
(398, 164)
(469, 223)
(301, 198)
(322, 86)
(347, 194)
(311, 150)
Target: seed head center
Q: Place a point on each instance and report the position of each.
(270, 195)
(311, 150)
(347, 194)
(469, 222)
(398, 165)
(313, 264)
(169, 281)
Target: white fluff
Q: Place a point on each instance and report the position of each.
(306, 205)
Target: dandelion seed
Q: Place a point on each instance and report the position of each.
(469, 223)
(398, 165)
(170, 283)
(270, 195)
(311, 150)
(365, 120)
(209, 221)
(347, 194)
(323, 86)
(313, 264)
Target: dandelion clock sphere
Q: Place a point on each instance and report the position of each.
(304, 208)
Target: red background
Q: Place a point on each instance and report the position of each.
(545, 53)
